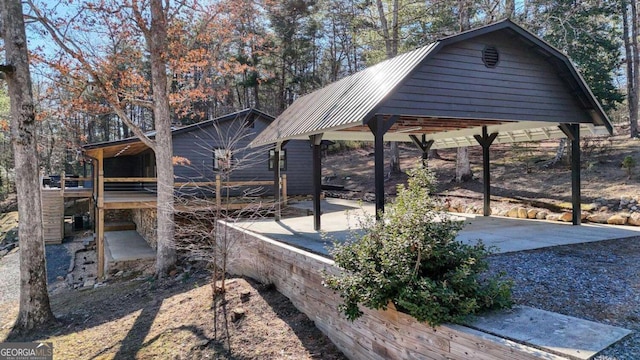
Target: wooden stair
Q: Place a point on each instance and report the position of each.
(119, 226)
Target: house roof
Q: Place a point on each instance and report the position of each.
(354, 100)
(133, 145)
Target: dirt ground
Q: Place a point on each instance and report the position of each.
(518, 172)
(177, 319)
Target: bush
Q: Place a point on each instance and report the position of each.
(629, 163)
(411, 259)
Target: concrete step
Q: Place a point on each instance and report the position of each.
(563, 335)
(119, 226)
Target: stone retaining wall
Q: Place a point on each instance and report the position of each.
(146, 225)
(389, 334)
(117, 215)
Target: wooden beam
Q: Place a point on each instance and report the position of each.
(100, 242)
(423, 145)
(316, 140)
(379, 126)
(100, 160)
(276, 180)
(130, 179)
(575, 174)
(485, 141)
(130, 205)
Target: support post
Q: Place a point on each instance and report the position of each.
(276, 181)
(485, 141)
(379, 126)
(423, 145)
(100, 222)
(218, 192)
(573, 133)
(316, 140)
(575, 174)
(284, 189)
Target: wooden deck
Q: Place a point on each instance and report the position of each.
(129, 200)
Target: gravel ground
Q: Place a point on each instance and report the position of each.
(58, 259)
(595, 281)
(10, 277)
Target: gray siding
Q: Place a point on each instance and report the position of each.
(456, 83)
(252, 163)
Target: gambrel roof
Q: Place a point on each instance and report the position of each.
(445, 92)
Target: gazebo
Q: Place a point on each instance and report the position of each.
(495, 84)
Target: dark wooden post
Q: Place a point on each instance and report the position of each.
(276, 180)
(485, 141)
(575, 174)
(423, 145)
(573, 133)
(316, 140)
(379, 127)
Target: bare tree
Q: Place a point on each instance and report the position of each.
(463, 166)
(391, 39)
(34, 298)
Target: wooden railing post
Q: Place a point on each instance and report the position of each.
(284, 189)
(62, 183)
(218, 191)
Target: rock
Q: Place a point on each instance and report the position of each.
(513, 212)
(503, 213)
(604, 209)
(566, 217)
(542, 215)
(617, 219)
(552, 217)
(522, 213)
(634, 219)
(634, 208)
(237, 314)
(70, 279)
(3, 252)
(531, 214)
(60, 278)
(245, 295)
(598, 218)
(89, 283)
(119, 273)
(173, 272)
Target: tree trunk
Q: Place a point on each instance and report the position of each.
(391, 46)
(634, 95)
(463, 166)
(166, 255)
(34, 298)
(510, 8)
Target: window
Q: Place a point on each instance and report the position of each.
(283, 159)
(222, 159)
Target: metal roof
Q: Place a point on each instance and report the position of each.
(133, 145)
(352, 101)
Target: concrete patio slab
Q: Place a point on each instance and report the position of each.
(559, 334)
(126, 246)
(340, 218)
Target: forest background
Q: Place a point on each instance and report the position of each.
(228, 55)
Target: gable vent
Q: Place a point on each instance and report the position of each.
(490, 56)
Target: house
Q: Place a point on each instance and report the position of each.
(210, 158)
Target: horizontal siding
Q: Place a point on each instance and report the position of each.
(299, 175)
(455, 83)
(251, 163)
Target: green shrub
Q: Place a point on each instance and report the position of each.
(629, 163)
(411, 259)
